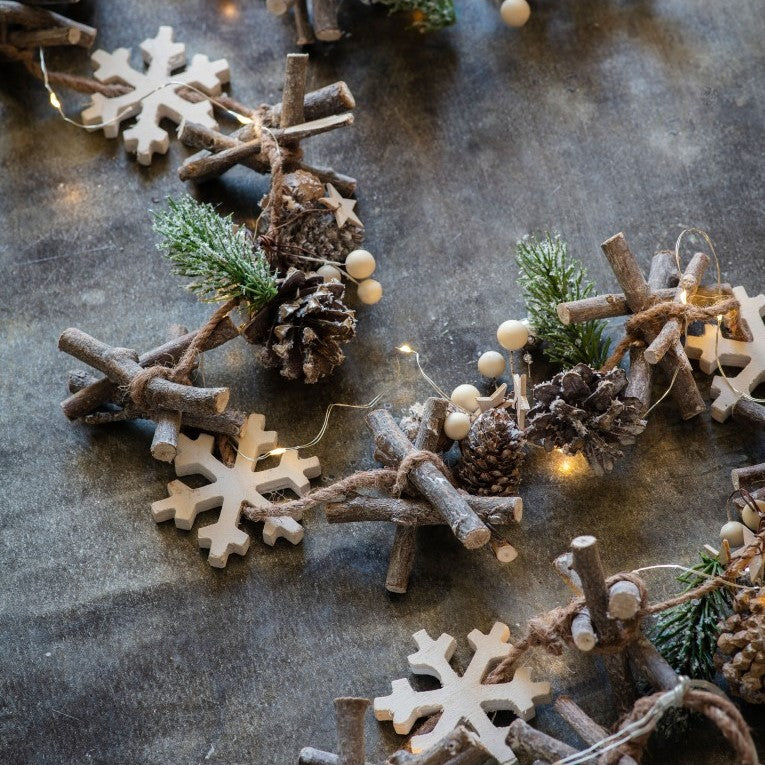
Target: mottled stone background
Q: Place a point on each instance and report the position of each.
(119, 643)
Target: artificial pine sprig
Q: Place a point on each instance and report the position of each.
(219, 257)
(427, 15)
(686, 635)
(548, 276)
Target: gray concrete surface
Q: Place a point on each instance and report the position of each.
(119, 643)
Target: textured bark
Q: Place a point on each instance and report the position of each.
(38, 18)
(602, 307)
(460, 747)
(121, 365)
(750, 412)
(404, 547)
(101, 391)
(582, 632)
(748, 477)
(495, 511)
(430, 482)
(295, 75)
(325, 24)
(349, 718)
(533, 744)
(588, 565)
(652, 665)
(164, 444)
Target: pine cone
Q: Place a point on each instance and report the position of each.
(581, 411)
(302, 328)
(309, 228)
(492, 455)
(743, 640)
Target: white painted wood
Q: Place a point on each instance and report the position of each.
(230, 487)
(462, 698)
(750, 357)
(149, 99)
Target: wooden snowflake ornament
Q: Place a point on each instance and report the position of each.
(748, 356)
(231, 486)
(463, 698)
(152, 97)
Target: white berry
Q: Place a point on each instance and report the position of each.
(491, 364)
(515, 13)
(360, 264)
(513, 334)
(750, 518)
(369, 291)
(733, 531)
(464, 396)
(457, 425)
(330, 273)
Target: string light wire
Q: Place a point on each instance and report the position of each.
(406, 348)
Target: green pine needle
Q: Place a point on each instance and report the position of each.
(427, 15)
(220, 258)
(548, 276)
(686, 635)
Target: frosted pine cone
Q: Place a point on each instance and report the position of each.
(743, 641)
(581, 411)
(309, 228)
(493, 454)
(302, 329)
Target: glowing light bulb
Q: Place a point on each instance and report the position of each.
(684, 297)
(277, 452)
(241, 118)
(54, 102)
(566, 465)
(405, 348)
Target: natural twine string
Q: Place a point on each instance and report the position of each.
(181, 372)
(653, 318)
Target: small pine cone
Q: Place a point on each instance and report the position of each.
(742, 640)
(309, 228)
(302, 329)
(493, 454)
(582, 411)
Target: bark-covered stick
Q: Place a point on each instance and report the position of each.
(229, 422)
(103, 390)
(602, 307)
(121, 365)
(749, 412)
(402, 554)
(503, 551)
(495, 511)
(582, 632)
(45, 38)
(295, 76)
(584, 726)
(651, 664)
(305, 35)
(750, 477)
(460, 747)
(349, 718)
(671, 331)
(623, 600)
(38, 18)
(627, 271)
(325, 24)
(563, 565)
(588, 565)
(528, 741)
(430, 482)
(164, 444)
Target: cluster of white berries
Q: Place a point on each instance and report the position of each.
(512, 336)
(515, 13)
(359, 265)
(733, 531)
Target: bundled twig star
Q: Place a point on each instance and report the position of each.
(412, 469)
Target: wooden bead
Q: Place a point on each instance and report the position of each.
(457, 425)
(370, 291)
(733, 531)
(466, 397)
(360, 264)
(330, 273)
(750, 518)
(515, 13)
(513, 335)
(491, 364)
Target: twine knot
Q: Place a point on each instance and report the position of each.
(411, 461)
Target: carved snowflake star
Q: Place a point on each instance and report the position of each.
(231, 486)
(749, 356)
(463, 698)
(151, 97)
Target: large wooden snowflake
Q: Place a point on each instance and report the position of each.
(748, 356)
(230, 486)
(463, 698)
(152, 98)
